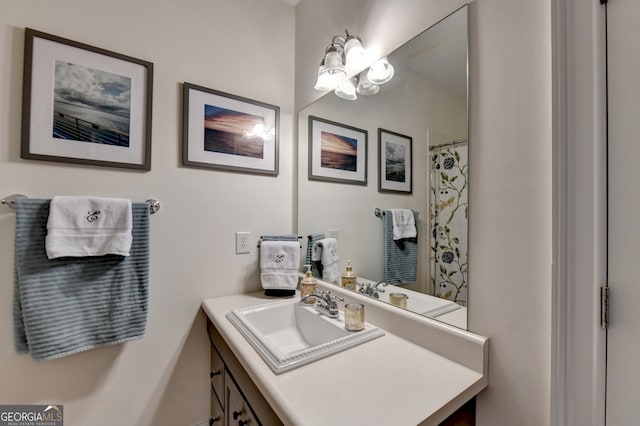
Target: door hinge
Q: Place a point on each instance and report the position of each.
(604, 307)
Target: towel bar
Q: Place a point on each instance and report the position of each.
(261, 237)
(10, 201)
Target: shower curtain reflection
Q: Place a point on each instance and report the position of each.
(448, 221)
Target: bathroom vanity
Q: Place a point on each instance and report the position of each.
(419, 372)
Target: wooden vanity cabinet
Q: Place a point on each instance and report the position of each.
(235, 399)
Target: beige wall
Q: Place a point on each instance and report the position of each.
(243, 47)
(510, 175)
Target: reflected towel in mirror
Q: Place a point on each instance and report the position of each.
(400, 257)
(326, 251)
(404, 224)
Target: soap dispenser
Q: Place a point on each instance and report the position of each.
(308, 286)
(349, 278)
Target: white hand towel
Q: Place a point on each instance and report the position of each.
(88, 226)
(404, 224)
(326, 251)
(279, 263)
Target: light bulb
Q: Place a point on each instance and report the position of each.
(347, 90)
(381, 72)
(365, 86)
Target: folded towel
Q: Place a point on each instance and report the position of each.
(316, 265)
(404, 224)
(88, 226)
(400, 257)
(64, 306)
(279, 263)
(326, 251)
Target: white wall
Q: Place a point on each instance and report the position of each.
(510, 176)
(243, 47)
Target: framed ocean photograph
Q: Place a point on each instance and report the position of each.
(228, 132)
(396, 162)
(85, 105)
(337, 152)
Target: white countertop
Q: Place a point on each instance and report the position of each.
(387, 381)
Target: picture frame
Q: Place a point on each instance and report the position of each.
(395, 162)
(337, 152)
(85, 105)
(230, 133)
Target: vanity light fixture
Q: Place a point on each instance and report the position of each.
(342, 58)
(344, 53)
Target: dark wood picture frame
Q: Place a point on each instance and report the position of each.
(227, 132)
(395, 156)
(85, 105)
(337, 152)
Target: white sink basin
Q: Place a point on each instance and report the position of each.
(288, 335)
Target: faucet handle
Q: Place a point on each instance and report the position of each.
(328, 296)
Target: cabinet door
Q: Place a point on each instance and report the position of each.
(237, 410)
(217, 413)
(217, 374)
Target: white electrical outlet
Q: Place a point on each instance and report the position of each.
(333, 233)
(242, 242)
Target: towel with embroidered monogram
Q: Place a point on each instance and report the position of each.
(88, 226)
(279, 263)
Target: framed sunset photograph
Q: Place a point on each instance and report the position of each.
(337, 152)
(228, 132)
(85, 105)
(396, 162)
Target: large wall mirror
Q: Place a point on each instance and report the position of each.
(414, 132)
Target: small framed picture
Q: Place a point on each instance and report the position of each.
(337, 152)
(395, 154)
(227, 132)
(85, 105)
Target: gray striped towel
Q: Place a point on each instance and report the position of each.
(315, 266)
(68, 305)
(400, 258)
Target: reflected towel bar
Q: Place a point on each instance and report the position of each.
(379, 213)
(10, 201)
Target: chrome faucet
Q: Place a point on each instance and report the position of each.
(371, 290)
(326, 303)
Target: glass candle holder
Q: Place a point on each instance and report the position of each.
(398, 299)
(354, 316)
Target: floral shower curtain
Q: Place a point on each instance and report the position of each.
(448, 215)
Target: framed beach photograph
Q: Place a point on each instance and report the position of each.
(85, 105)
(228, 132)
(396, 162)
(337, 152)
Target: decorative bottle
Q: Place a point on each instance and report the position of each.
(349, 278)
(308, 286)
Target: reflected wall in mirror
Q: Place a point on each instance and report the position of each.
(426, 101)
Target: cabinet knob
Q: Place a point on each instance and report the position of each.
(214, 373)
(213, 420)
(236, 414)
